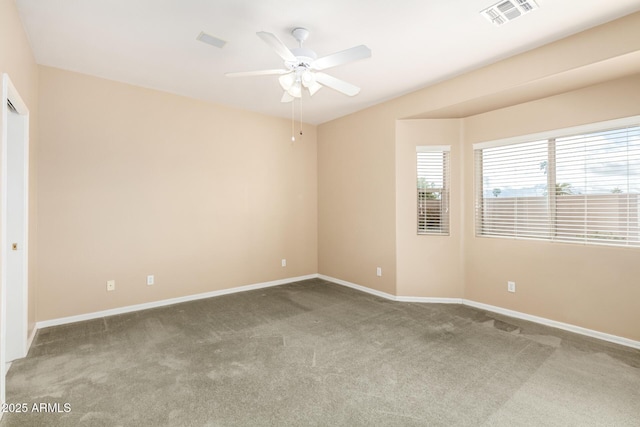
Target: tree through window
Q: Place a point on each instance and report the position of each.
(433, 189)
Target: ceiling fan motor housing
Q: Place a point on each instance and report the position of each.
(305, 58)
(303, 68)
(300, 34)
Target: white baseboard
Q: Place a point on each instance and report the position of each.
(555, 324)
(357, 287)
(431, 300)
(31, 337)
(390, 296)
(165, 302)
(511, 313)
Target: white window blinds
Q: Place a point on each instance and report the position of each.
(512, 199)
(580, 188)
(433, 189)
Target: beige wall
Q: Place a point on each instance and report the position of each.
(137, 182)
(593, 287)
(356, 197)
(591, 76)
(427, 266)
(17, 61)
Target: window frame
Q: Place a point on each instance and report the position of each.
(550, 136)
(444, 228)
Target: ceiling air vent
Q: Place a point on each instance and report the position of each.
(505, 11)
(212, 40)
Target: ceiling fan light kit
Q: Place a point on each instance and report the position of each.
(303, 67)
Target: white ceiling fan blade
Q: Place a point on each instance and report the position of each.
(256, 73)
(337, 84)
(277, 45)
(339, 58)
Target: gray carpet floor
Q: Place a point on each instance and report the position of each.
(316, 353)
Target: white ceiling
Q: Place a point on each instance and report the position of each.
(414, 43)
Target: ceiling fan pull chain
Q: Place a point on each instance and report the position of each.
(293, 137)
(300, 101)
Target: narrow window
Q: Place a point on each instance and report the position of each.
(433, 189)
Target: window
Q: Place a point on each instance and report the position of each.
(581, 185)
(433, 189)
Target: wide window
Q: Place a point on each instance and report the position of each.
(571, 187)
(433, 189)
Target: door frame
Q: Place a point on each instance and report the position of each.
(10, 93)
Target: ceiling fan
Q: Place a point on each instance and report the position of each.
(303, 68)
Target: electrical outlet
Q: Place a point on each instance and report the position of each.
(283, 262)
(150, 280)
(511, 286)
(379, 271)
(111, 285)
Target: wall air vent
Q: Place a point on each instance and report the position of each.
(508, 10)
